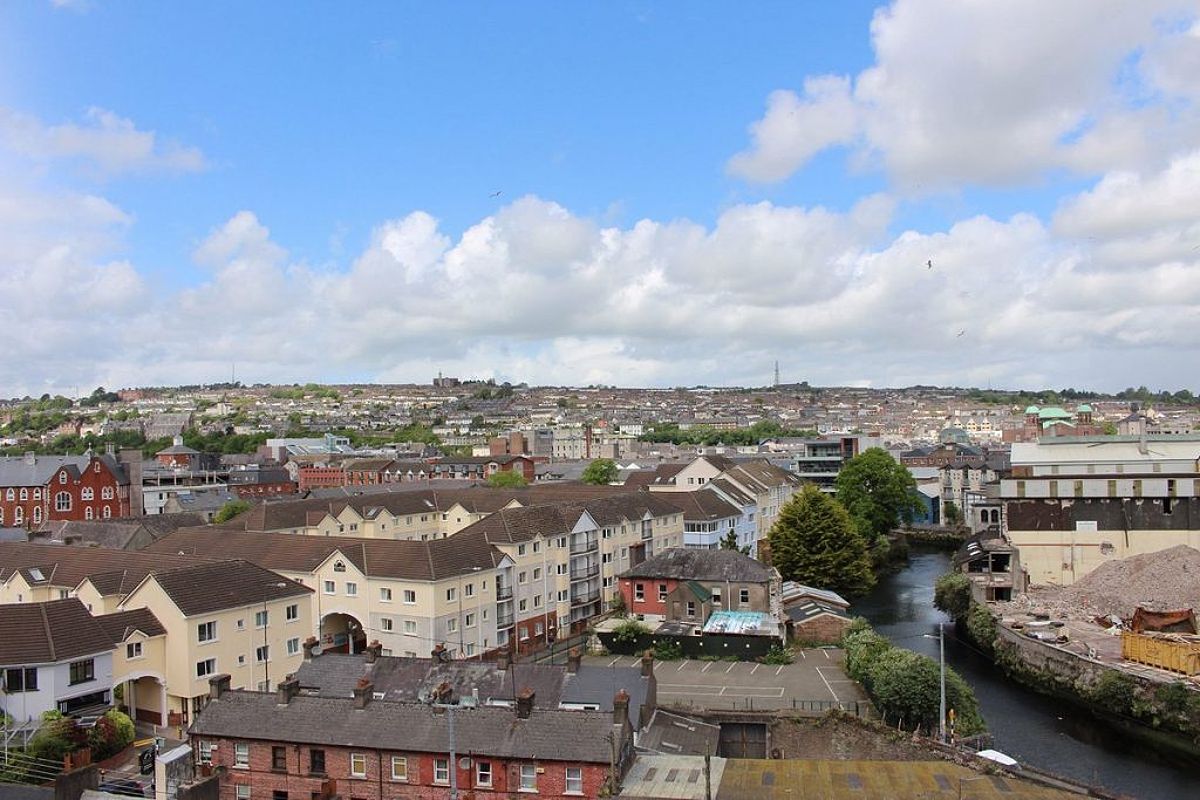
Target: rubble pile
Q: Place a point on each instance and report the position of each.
(1164, 581)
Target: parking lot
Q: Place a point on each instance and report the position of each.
(815, 682)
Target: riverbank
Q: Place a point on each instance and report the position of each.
(936, 537)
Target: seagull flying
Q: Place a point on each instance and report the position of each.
(929, 264)
(496, 193)
(960, 334)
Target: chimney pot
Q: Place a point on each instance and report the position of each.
(218, 685)
(648, 663)
(502, 659)
(287, 689)
(525, 703)
(362, 693)
(374, 651)
(573, 659)
(310, 645)
(621, 707)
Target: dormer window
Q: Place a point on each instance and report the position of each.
(339, 566)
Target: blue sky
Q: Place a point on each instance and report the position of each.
(792, 160)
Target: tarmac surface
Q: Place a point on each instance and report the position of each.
(815, 682)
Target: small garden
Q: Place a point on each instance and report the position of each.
(57, 737)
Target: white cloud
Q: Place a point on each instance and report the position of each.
(996, 93)
(107, 143)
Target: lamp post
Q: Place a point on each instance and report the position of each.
(941, 637)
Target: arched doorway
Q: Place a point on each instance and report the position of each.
(342, 633)
(144, 698)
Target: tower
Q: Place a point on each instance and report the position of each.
(776, 373)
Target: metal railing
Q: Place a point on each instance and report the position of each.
(504, 593)
(585, 545)
(581, 573)
(583, 598)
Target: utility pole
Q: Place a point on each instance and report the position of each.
(942, 698)
(453, 756)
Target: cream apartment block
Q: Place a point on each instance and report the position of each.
(516, 576)
(1074, 503)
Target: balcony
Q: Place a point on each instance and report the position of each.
(585, 597)
(585, 572)
(503, 592)
(504, 621)
(584, 545)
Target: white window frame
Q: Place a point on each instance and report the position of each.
(401, 762)
(441, 766)
(527, 778)
(361, 758)
(568, 779)
(241, 755)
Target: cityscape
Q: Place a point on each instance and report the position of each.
(624, 400)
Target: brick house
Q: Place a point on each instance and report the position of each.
(35, 489)
(683, 584)
(288, 746)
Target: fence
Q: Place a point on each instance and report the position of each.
(712, 645)
(858, 708)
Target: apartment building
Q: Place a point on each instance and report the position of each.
(1073, 503)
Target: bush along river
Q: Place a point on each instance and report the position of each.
(1035, 729)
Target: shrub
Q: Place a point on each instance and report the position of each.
(906, 685)
(952, 594)
(981, 625)
(629, 631)
(668, 650)
(778, 655)
(1115, 691)
(863, 649)
(55, 738)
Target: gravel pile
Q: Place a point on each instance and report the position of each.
(1162, 581)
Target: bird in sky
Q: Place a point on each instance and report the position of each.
(960, 334)
(929, 264)
(496, 193)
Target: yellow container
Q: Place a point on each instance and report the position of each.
(1172, 652)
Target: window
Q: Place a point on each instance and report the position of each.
(560, 569)
(537, 601)
(358, 765)
(206, 631)
(262, 653)
(606, 558)
(206, 667)
(351, 589)
(452, 625)
(62, 501)
(62, 480)
(83, 671)
(107, 512)
(279, 794)
(483, 773)
(522, 604)
(520, 549)
(106, 493)
(639, 592)
(470, 590)
(24, 494)
(241, 660)
(744, 596)
(86, 493)
(339, 566)
(537, 573)
(241, 624)
(243, 791)
(279, 759)
(89, 513)
(451, 594)
(528, 778)
(522, 577)
(441, 770)
(385, 595)
(293, 646)
(206, 752)
(241, 754)
(538, 629)
(691, 608)
(316, 761)
(21, 679)
(399, 768)
(574, 780)
(410, 596)
(19, 514)
(261, 618)
(385, 624)
(410, 627)
(330, 587)
(469, 622)
(662, 593)
(133, 650)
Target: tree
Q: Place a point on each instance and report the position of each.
(507, 479)
(952, 513)
(952, 594)
(815, 542)
(601, 472)
(230, 510)
(730, 542)
(878, 491)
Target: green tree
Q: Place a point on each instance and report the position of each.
(906, 686)
(601, 472)
(878, 491)
(952, 514)
(952, 594)
(508, 479)
(730, 542)
(814, 541)
(230, 510)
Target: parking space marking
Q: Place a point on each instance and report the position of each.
(802, 656)
(613, 663)
(755, 668)
(836, 699)
(706, 667)
(779, 670)
(826, 652)
(731, 666)
(681, 666)
(719, 690)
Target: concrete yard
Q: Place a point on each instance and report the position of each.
(815, 682)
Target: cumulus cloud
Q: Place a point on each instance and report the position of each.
(106, 143)
(996, 93)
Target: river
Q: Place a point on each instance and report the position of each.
(1030, 727)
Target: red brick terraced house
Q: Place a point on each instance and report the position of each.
(289, 746)
(34, 489)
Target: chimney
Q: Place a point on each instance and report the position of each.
(444, 693)
(573, 659)
(439, 652)
(362, 692)
(287, 689)
(502, 658)
(621, 708)
(30, 458)
(648, 663)
(217, 686)
(374, 651)
(525, 703)
(310, 644)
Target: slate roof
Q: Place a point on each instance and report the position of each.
(692, 564)
(727, 486)
(218, 585)
(674, 734)
(122, 623)
(704, 505)
(69, 566)
(571, 736)
(46, 633)
(22, 471)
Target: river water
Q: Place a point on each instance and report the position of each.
(1034, 729)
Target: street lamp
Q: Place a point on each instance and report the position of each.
(941, 637)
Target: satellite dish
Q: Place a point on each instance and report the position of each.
(464, 763)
